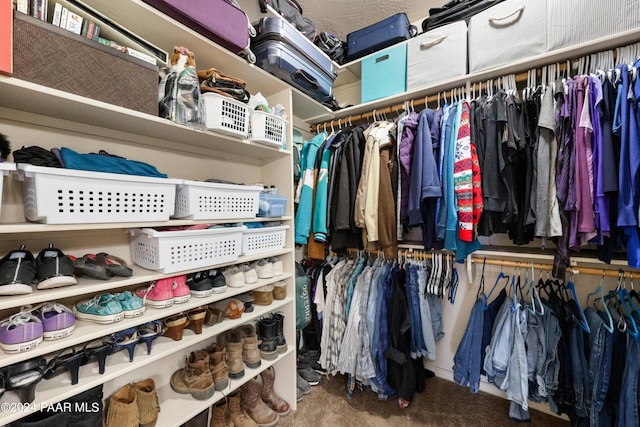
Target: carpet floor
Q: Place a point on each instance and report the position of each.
(443, 403)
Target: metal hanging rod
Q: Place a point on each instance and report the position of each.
(603, 272)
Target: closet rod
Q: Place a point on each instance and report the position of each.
(604, 272)
(419, 253)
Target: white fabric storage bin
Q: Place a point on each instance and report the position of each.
(223, 114)
(571, 22)
(173, 251)
(209, 200)
(507, 32)
(439, 54)
(5, 168)
(260, 240)
(68, 196)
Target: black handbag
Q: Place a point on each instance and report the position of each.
(455, 10)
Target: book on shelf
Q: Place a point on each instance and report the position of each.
(90, 28)
(36, 8)
(85, 27)
(57, 14)
(63, 17)
(45, 10)
(96, 32)
(142, 56)
(22, 6)
(74, 22)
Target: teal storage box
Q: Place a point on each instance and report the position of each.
(384, 73)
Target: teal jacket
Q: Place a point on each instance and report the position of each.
(307, 178)
(322, 193)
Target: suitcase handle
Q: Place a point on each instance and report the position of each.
(518, 11)
(306, 78)
(432, 43)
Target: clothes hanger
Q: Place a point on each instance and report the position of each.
(582, 320)
(481, 285)
(501, 275)
(622, 303)
(600, 292)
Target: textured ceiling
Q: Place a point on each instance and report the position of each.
(341, 17)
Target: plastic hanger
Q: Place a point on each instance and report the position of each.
(481, 285)
(582, 321)
(501, 275)
(600, 292)
(622, 303)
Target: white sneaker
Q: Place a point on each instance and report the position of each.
(277, 266)
(234, 277)
(250, 275)
(264, 269)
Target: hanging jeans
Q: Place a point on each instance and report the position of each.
(498, 354)
(580, 370)
(600, 346)
(418, 347)
(466, 368)
(628, 409)
(425, 315)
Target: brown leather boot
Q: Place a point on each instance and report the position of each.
(232, 342)
(195, 378)
(148, 405)
(220, 416)
(238, 416)
(123, 408)
(250, 353)
(218, 366)
(269, 395)
(254, 406)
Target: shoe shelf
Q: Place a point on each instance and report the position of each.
(176, 408)
(32, 227)
(35, 101)
(86, 331)
(59, 387)
(140, 275)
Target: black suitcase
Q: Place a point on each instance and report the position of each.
(455, 10)
(378, 36)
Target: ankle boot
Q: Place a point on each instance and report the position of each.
(232, 341)
(218, 366)
(250, 353)
(123, 408)
(195, 378)
(281, 343)
(148, 405)
(238, 416)
(254, 406)
(268, 345)
(269, 395)
(220, 416)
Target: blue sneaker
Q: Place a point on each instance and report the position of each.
(102, 308)
(132, 305)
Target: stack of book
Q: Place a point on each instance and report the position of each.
(70, 21)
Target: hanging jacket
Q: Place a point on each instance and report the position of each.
(305, 205)
(322, 194)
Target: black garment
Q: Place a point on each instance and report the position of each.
(333, 183)
(401, 372)
(36, 156)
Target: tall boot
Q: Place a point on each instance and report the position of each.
(250, 353)
(220, 415)
(269, 395)
(195, 378)
(254, 406)
(268, 344)
(281, 343)
(238, 416)
(232, 341)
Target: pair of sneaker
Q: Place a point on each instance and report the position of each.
(237, 276)
(165, 292)
(268, 268)
(110, 308)
(203, 284)
(50, 269)
(26, 329)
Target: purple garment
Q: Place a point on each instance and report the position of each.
(406, 154)
(583, 166)
(602, 205)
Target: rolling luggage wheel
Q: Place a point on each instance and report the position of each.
(252, 32)
(251, 58)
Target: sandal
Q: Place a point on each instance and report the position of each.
(149, 332)
(232, 307)
(214, 315)
(128, 339)
(68, 359)
(85, 266)
(99, 349)
(115, 266)
(23, 377)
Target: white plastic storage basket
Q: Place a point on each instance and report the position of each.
(208, 200)
(5, 168)
(226, 115)
(172, 251)
(66, 196)
(267, 129)
(259, 240)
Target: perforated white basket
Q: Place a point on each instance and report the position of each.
(267, 129)
(67, 196)
(172, 251)
(259, 240)
(5, 168)
(208, 200)
(226, 115)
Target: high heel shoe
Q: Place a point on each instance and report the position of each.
(68, 359)
(174, 326)
(99, 349)
(126, 339)
(196, 318)
(23, 377)
(149, 332)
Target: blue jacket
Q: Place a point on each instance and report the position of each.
(305, 205)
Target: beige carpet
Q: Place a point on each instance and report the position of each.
(443, 403)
